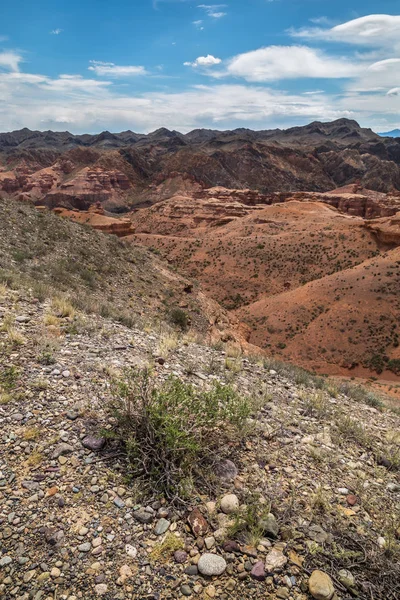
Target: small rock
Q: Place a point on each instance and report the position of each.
(86, 547)
(180, 556)
(131, 551)
(229, 504)
(258, 571)
(197, 523)
(62, 449)
(393, 487)
(321, 586)
(226, 470)
(118, 502)
(93, 443)
(269, 525)
(346, 578)
(101, 589)
(6, 560)
(186, 590)
(275, 560)
(351, 500)
(209, 542)
(211, 564)
(143, 516)
(162, 526)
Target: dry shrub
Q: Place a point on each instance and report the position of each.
(173, 433)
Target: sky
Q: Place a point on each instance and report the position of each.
(87, 66)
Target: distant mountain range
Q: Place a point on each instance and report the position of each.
(394, 133)
(122, 170)
(345, 132)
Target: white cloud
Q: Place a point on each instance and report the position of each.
(71, 83)
(289, 62)
(56, 31)
(80, 104)
(213, 10)
(380, 76)
(10, 60)
(204, 61)
(371, 30)
(198, 24)
(110, 69)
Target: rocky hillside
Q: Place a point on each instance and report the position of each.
(99, 273)
(127, 169)
(304, 504)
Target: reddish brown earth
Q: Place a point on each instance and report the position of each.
(312, 285)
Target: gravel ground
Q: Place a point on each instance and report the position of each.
(72, 526)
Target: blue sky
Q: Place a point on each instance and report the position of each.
(90, 65)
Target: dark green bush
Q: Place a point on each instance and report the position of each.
(179, 318)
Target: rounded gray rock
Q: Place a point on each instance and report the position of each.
(211, 564)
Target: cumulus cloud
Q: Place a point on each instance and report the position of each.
(10, 60)
(80, 104)
(204, 61)
(289, 62)
(371, 30)
(56, 31)
(110, 69)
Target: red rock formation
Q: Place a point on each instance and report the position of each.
(96, 218)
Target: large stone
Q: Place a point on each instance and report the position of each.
(229, 504)
(211, 564)
(321, 586)
(197, 522)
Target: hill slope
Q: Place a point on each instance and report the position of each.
(311, 487)
(314, 286)
(99, 273)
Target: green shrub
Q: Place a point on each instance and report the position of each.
(361, 394)
(8, 378)
(179, 318)
(172, 434)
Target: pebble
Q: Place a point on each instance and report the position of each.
(269, 526)
(229, 504)
(211, 564)
(275, 560)
(101, 589)
(162, 526)
(258, 571)
(93, 443)
(186, 590)
(320, 586)
(143, 516)
(86, 547)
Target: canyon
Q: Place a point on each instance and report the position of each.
(295, 233)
